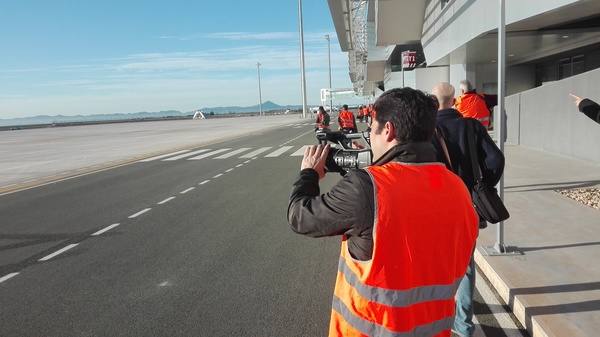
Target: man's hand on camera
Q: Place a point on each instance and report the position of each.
(314, 158)
(358, 146)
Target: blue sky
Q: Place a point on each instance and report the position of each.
(89, 57)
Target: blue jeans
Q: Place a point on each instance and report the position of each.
(463, 321)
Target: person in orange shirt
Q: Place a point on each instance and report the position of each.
(347, 121)
(360, 113)
(472, 105)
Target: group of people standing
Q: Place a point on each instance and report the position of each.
(407, 222)
(346, 119)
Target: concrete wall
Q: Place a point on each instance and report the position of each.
(518, 78)
(545, 118)
(394, 80)
(426, 78)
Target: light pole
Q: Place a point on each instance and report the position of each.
(500, 247)
(259, 90)
(330, 86)
(303, 75)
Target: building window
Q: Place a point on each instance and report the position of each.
(571, 66)
(578, 64)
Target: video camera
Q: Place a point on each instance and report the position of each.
(345, 158)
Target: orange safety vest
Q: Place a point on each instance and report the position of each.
(346, 120)
(320, 120)
(423, 237)
(472, 105)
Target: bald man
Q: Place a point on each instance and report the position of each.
(453, 128)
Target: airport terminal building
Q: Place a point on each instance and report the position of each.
(552, 49)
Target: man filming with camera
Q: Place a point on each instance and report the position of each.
(408, 226)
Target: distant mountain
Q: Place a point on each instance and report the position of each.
(266, 106)
(44, 119)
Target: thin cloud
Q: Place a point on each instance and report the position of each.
(251, 36)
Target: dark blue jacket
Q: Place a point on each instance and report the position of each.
(491, 159)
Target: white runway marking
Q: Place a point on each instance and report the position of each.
(105, 229)
(218, 175)
(202, 156)
(189, 154)
(162, 156)
(139, 213)
(239, 165)
(204, 182)
(247, 161)
(166, 200)
(278, 152)
(300, 151)
(187, 190)
(228, 170)
(8, 276)
(58, 252)
(256, 152)
(233, 153)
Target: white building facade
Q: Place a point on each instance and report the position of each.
(553, 48)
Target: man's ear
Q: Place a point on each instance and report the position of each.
(390, 131)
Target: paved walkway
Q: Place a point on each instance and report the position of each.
(554, 287)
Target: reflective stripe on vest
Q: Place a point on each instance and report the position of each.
(398, 298)
(423, 237)
(371, 329)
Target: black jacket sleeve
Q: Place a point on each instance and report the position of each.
(590, 109)
(491, 159)
(346, 209)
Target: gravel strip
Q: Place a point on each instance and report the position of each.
(586, 196)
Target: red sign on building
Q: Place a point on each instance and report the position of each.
(409, 59)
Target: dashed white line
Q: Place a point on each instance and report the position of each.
(8, 276)
(162, 156)
(105, 229)
(139, 213)
(187, 190)
(166, 200)
(58, 252)
(204, 182)
(218, 175)
(239, 165)
(228, 170)
(293, 139)
(247, 161)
